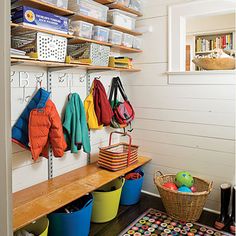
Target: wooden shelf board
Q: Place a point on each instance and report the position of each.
(128, 31)
(39, 200)
(35, 62)
(78, 40)
(44, 6)
(18, 29)
(105, 1)
(124, 8)
(126, 49)
(90, 20)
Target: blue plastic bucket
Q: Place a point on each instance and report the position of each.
(75, 223)
(131, 191)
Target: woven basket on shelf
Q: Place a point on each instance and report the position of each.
(215, 63)
(179, 205)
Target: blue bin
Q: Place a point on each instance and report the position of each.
(72, 224)
(131, 191)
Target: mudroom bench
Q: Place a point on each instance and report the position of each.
(39, 200)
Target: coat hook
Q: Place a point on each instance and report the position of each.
(81, 78)
(12, 74)
(62, 78)
(39, 79)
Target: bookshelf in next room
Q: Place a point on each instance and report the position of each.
(205, 44)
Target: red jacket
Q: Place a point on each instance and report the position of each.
(102, 106)
(45, 127)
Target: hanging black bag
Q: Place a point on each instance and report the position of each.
(123, 111)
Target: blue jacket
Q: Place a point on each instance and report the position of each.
(75, 125)
(20, 128)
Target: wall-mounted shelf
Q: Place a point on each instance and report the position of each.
(46, 7)
(124, 30)
(90, 20)
(79, 40)
(104, 1)
(18, 29)
(48, 64)
(124, 8)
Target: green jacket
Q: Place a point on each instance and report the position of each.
(75, 125)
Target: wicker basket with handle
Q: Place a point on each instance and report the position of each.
(179, 205)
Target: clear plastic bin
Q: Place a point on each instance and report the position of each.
(136, 5)
(127, 40)
(121, 18)
(137, 43)
(101, 33)
(82, 29)
(89, 8)
(115, 37)
(123, 2)
(58, 3)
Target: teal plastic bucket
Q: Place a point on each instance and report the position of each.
(76, 223)
(131, 191)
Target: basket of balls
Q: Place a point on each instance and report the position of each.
(183, 195)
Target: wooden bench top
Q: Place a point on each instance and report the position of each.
(39, 200)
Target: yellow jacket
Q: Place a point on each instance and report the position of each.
(90, 112)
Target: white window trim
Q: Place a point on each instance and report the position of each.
(177, 26)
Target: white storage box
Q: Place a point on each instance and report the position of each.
(115, 37)
(127, 40)
(121, 18)
(82, 29)
(136, 5)
(123, 2)
(137, 43)
(58, 3)
(47, 47)
(89, 8)
(99, 54)
(101, 33)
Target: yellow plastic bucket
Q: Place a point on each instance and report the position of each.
(106, 201)
(39, 227)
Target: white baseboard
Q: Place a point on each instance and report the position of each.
(157, 195)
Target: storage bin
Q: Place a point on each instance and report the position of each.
(131, 191)
(76, 223)
(45, 47)
(38, 228)
(82, 29)
(89, 8)
(137, 43)
(115, 37)
(123, 2)
(100, 33)
(98, 54)
(127, 40)
(106, 201)
(136, 5)
(121, 18)
(58, 3)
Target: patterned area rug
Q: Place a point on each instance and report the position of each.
(154, 222)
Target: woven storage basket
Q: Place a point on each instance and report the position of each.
(215, 63)
(118, 156)
(183, 206)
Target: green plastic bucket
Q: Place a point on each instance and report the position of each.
(106, 201)
(39, 227)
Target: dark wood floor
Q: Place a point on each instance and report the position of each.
(128, 214)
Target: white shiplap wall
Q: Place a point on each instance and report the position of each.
(181, 127)
(25, 171)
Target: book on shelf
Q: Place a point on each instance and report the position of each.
(209, 43)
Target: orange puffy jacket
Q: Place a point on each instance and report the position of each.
(45, 127)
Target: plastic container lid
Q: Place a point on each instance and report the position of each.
(122, 12)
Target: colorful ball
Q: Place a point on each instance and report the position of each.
(193, 189)
(184, 178)
(184, 189)
(170, 185)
